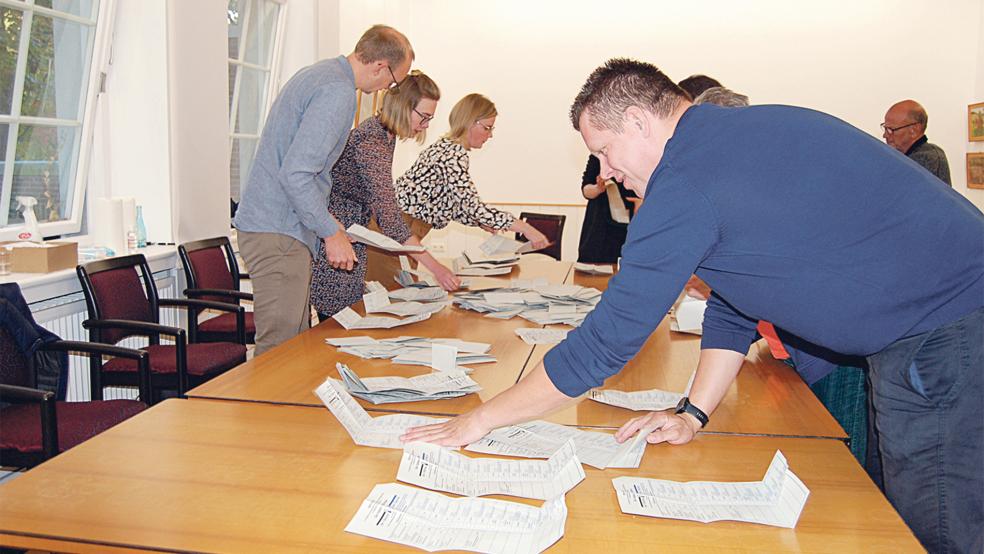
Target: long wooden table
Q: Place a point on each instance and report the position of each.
(213, 476)
(290, 372)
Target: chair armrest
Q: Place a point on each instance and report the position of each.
(49, 419)
(244, 276)
(141, 356)
(143, 327)
(200, 304)
(240, 295)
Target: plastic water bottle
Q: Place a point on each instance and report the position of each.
(141, 229)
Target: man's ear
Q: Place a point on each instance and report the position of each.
(635, 121)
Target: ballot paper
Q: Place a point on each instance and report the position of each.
(537, 301)
(594, 269)
(432, 521)
(380, 432)
(386, 390)
(461, 266)
(379, 302)
(541, 336)
(688, 316)
(652, 400)
(777, 499)
(431, 466)
(616, 206)
(379, 240)
(350, 319)
(540, 439)
(418, 294)
(502, 245)
(418, 351)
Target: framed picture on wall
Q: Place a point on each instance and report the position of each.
(975, 170)
(975, 122)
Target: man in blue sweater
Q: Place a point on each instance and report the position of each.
(794, 217)
(283, 217)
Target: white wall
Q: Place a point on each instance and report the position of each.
(850, 59)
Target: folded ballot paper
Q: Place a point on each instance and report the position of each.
(379, 240)
(777, 499)
(594, 269)
(350, 319)
(440, 354)
(652, 400)
(688, 316)
(540, 439)
(378, 301)
(386, 390)
(433, 467)
(432, 521)
(380, 432)
(502, 245)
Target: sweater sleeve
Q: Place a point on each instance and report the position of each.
(725, 327)
(665, 243)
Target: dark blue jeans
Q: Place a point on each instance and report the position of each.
(928, 399)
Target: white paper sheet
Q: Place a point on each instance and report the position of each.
(380, 432)
(432, 521)
(594, 269)
(379, 240)
(428, 465)
(645, 400)
(444, 357)
(688, 316)
(541, 336)
(777, 499)
(350, 319)
(430, 386)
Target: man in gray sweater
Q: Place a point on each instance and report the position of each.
(283, 216)
(904, 129)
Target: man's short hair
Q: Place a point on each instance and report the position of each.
(695, 85)
(721, 96)
(465, 113)
(919, 115)
(383, 43)
(620, 84)
(399, 103)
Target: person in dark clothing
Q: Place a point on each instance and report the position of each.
(904, 129)
(695, 85)
(601, 236)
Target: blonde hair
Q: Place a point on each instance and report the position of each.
(465, 113)
(398, 104)
(384, 43)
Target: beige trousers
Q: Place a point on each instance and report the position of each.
(280, 271)
(383, 267)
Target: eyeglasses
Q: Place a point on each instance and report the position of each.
(488, 128)
(892, 130)
(395, 84)
(424, 118)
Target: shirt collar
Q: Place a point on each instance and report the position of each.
(922, 140)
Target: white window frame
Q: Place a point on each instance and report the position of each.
(272, 83)
(101, 45)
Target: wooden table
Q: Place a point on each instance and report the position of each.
(201, 475)
(288, 373)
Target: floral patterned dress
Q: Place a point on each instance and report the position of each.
(437, 189)
(362, 186)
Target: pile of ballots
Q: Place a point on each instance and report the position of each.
(386, 390)
(495, 256)
(537, 300)
(439, 354)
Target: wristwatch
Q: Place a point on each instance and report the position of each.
(686, 407)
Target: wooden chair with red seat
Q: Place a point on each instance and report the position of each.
(39, 424)
(121, 296)
(213, 274)
(551, 225)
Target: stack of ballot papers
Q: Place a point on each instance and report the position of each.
(541, 439)
(433, 467)
(502, 245)
(379, 240)
(536, 301)
(378, 301)
(380, 432)
(688, 316)
(386, 390)
(652, 400)
(440, 354)
(777, 499)
(432, 521)
(350, 319)
(594, 269)
(536, 335)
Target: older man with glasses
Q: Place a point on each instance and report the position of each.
(904, 129)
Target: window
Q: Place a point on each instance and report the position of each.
(254, 30)
(46, 93)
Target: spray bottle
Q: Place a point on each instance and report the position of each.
(31, 232)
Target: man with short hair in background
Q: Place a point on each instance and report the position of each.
(283, 216)
(904, 129)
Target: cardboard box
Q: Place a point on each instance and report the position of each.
(52, 257)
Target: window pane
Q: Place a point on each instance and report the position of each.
(259, 37)
(10, 26)
(243, 151)
(44, 167)
(54, 81)
(235, 19)
(81, 8)
(252, 99)
(4, 130)
(232, 82)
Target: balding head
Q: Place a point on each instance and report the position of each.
(905, 123)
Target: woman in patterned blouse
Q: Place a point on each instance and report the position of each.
(363, 187)
(437, 188)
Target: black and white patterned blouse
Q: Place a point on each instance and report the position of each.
(437, 189)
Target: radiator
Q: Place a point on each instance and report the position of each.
(63, 316)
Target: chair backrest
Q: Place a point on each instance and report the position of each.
(119, 288)
(210, 264)
(14, 367)
(551, 225)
